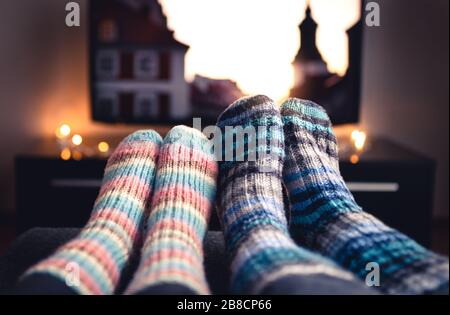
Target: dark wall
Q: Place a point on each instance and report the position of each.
(405, 94)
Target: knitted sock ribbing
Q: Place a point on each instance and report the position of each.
(264, 258)
(172, 255)
(102, 250)
(326, 218)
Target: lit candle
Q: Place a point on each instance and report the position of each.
(354, 159)
(77, 140)
(103, 147)
(66, 154)
(359, 139)
(63, 131)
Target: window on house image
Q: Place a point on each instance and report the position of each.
(146, 106)
(107, 105)
(108, 31)
(107, 64)
(146, 65)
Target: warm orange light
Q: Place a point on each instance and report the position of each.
(77, 156)
(355, 134)
(77, 140)
(360, 142)
(359, 139)
(354, 159)
(66, 154)
(103, 147)
(63, 131)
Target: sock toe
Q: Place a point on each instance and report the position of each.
(313, 120)
(189, 137)
(143, 136)
(262, 147)
(307, 115)
(252, 107)
(304, 108)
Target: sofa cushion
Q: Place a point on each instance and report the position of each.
(38, 243)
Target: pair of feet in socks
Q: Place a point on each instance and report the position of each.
(332, 231)
(156, 196)
(325, 249)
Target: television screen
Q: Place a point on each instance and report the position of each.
(138, 66)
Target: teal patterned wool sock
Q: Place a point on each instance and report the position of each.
(326, 218)
(264, 257)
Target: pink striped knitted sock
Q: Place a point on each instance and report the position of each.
(92, 263)
(172, 255)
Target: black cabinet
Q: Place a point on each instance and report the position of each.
(51, 192)
(393, 183)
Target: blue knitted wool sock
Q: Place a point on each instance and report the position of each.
(264, 259)
(326, 218)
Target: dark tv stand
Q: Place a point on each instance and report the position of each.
(396, 185)
(391, 182)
